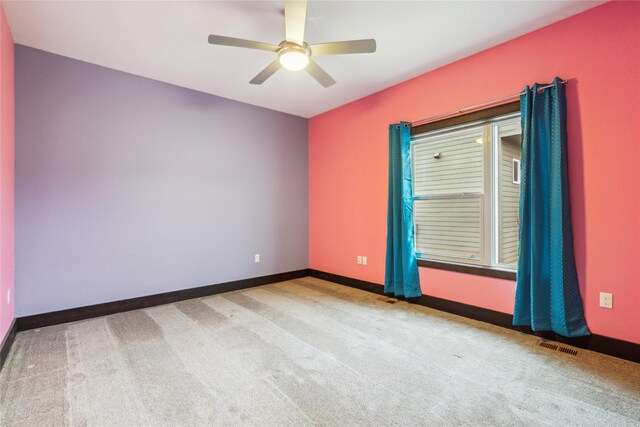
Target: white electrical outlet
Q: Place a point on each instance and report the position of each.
(256, 258)
(364, 260)
(359, 259)
(606, 300)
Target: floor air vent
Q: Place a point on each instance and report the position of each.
(547, 345)
(558, 347)
(568, 350)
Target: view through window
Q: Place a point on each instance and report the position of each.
(466, 188)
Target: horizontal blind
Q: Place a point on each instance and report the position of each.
(449, 163)
(449, 227)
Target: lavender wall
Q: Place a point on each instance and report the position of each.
(126, 186)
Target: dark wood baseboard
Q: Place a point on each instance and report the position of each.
(469, 311)
(598, 343)
(7, 342)
(601, 344)
(348, 281)
(97, 310)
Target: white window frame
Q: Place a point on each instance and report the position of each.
(489, 216)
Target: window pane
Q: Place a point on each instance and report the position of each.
(509, 150)
(449, 163)
(449, 227)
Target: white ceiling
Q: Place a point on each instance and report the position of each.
(167, 41)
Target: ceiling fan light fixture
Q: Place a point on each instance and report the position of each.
(293, 57)
(293, 53)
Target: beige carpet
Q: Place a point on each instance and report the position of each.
(305, 352)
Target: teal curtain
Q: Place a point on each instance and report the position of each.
(547, 292)
(401, 274)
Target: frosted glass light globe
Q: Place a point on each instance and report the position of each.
(293, 60)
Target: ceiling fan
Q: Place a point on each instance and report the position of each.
(293, 53)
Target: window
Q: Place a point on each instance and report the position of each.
(466, 192)
(516, 171)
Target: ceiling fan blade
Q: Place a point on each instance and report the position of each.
(250, 44)
(319, 74)
(295, 15)
(340, 48)
(266, 73)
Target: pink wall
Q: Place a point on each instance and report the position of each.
(7, 120)
(599, 51)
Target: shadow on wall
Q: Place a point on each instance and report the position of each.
(576, 184)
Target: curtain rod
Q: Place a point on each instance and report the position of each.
(477, 106)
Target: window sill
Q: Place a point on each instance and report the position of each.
(469, 269)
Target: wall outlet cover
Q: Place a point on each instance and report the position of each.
(606, 300)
